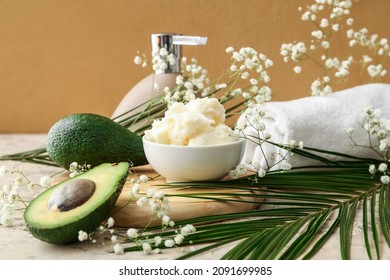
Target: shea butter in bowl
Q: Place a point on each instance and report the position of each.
(193, 163)
(192, 142)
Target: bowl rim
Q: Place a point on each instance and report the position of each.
(238, 141)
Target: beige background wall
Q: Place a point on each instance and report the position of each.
(59, 57)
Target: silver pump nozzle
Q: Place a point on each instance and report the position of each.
(172, 44)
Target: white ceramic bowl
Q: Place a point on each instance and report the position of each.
(189, 163)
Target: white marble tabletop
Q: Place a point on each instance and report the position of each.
(17, 243)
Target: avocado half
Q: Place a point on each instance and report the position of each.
(61, 227)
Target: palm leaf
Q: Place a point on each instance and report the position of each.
(365, 227)
(302, 210)
(374, 229)
(384, 213)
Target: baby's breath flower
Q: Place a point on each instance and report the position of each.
(132, 233)
(317, 34)
(220, 86)
(245, 75)
(31, 186)
(336, 27)
(325, 44)
(157, 240)
(297, 69)
(19, 180)
(12, 196)
(385, 179)
(158, 195)
(169, 243)
(165, 220)
(383, 144)
(285, 165)
(187, 229)
(118, 249)
(137, 60)
(146, 248)
(45, 181)
(233, 174)
(143, 178)
(110, 222)
(375, 70)
(76, 169)
(155, 207)
(82, 236)
(150, 193)
(229, 49)
(142, 201)
(246, 95)
(135, 188)
(178, 239)
(114, 238)
(261, 172)
(382, 167)
(324, 23)
(233, 68)
(268, 63)
(372, 169)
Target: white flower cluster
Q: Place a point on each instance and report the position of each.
(251, 126)
(252, 119)
(107, 226)
(328, 17)
(10, 196)
(141, 60)
(192, 81)
(384, 169)
(378, 130)
(162, 60)
(379, 47)
(373, 122)
(296, 52)
(76, 169)
(159, 205)
(147, 246)
(252, 66)
(157, 201)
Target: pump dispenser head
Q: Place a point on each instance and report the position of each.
(172, 44)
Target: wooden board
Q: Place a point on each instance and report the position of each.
(131, 215)
(128, 214)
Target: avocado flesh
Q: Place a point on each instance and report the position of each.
(93, 139)
(54, 226)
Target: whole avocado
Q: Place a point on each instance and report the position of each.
(93, 139)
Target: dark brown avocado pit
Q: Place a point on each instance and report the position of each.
(71, 195)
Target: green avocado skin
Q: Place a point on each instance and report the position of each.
(93, 139)
(69, 233)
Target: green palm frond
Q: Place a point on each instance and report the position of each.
(302, 208)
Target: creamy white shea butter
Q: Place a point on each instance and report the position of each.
(200, 122)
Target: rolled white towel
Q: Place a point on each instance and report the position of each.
(319, 122)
